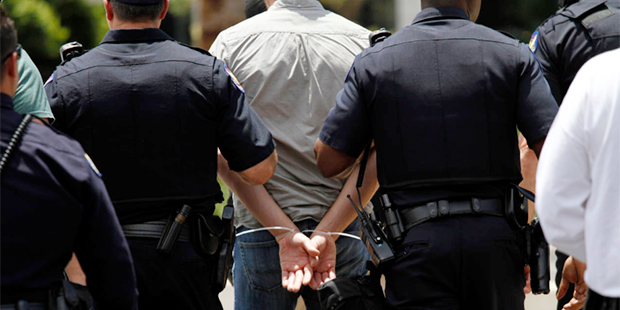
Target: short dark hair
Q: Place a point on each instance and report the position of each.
(136, 13)
(8, 35)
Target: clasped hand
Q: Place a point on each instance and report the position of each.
(306, 261)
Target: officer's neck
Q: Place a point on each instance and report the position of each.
(116, 24)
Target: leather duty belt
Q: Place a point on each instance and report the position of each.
(152, 229)
(443, 208)
(24, 305)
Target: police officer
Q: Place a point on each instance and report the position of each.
(579, 31)
(152, 113)
(576, 33)
(441, 99)
(53, 203)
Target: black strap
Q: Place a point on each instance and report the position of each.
(15, 140)
(363, 163)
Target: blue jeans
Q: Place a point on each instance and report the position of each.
(257, 276)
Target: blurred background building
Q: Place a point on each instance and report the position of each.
(44, 25)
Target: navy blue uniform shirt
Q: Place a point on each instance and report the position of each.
(442, 99)
(53, 204)
(565, 41)
(152, 113)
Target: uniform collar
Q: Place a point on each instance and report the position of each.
(440, 12)
(296, 4)
(135, 36)
(7, 101)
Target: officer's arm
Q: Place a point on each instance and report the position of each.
(331, 162)
(544, 48)
(56, 104)
(103, 251)
(346, 130)
(243, 139)
(260, 173)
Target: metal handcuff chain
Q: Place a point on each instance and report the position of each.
(15, 140)
(360, 182)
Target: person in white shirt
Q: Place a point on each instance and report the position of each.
(292, 60)
(578, 182)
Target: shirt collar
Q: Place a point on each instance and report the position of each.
(7, 101)
(135, 36)
(440, 12)
(296, 4)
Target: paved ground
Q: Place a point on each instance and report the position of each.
(532, 302)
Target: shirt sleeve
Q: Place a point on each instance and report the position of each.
(56, 104)
(563, 182)
(347, 127)
(30, 96)
(103, 251)
(545, 51)
(218, 48)
(536, 106)
(242, 137)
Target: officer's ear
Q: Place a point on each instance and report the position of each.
(109, 13)
(10, 75)
(166, 6)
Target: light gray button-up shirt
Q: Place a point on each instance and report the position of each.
(292, 61)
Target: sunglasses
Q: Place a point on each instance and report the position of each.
(18, 50)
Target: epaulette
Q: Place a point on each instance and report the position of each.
(579, 9)
(508, 34)
(198, 49)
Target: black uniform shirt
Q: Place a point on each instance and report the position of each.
(152, 113)
(442, 98)
(565, 41)
(54, 203)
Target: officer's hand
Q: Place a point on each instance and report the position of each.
(326, 268)
(528, 280)
(574, 273)
(295, 252)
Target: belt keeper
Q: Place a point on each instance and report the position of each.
(476, 205)
(432, 209)
(444, 207)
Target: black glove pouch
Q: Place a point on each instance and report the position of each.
(205, 234)
(357, 293)
(67, 295)
(516, 208)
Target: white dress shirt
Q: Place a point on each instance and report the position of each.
(578, 179)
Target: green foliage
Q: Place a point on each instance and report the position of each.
(76, 15)
(38, 26)
(180, 7)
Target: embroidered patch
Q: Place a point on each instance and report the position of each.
(234, 79)
(49, 80)
(92, 165)
(534, 42)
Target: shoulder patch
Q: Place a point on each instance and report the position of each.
(534, 42)
(234, 79)
(49, 80)
(92, 165)
(198, 49)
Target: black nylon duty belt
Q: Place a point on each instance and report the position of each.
(413, 216)
(152, 229)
